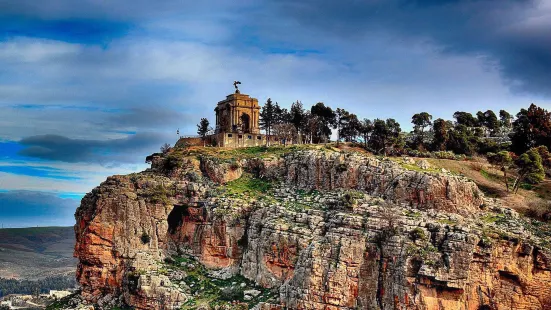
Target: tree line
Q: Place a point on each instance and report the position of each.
(35, 287)
(520, 141)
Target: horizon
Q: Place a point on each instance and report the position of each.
(89, 89)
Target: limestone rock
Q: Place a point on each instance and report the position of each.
(335, 231)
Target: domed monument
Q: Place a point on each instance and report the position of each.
(237, 121)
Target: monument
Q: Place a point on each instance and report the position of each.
(237, 121)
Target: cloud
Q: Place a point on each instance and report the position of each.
(513, 34)
(30, 208)
(95, 100)
(10, 181)
(106, 152)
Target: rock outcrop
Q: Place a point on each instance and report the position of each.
(307, 229)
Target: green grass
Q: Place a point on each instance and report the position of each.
(160, 194)
(413, 214)
(447, 221)
(214, 292)
(246, 184)
(494, 218)
(490, 176)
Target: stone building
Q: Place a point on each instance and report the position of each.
(237, 123)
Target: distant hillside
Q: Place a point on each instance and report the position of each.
(37, 252)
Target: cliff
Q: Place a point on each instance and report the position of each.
(304, 228)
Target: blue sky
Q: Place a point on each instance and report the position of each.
(89, 88)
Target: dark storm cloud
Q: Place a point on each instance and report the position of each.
(515, 35)
(30, 208)
(106, 152)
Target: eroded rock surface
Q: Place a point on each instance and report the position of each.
(308, 229)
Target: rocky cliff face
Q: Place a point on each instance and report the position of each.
(304, 229)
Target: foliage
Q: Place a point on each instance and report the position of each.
(529, 168)
(417, 234)
(203, 128)
(159, 194)
(441, 130)
(285, 132)
(325, 119)
(532, 128)
(503, 161)
(489, 120)
(385, 135)
(351, 197)
(506, 119)
(465, 119)
(267, 118)
(165, 148)
(461, 140)
(420, 121)
(213, 293)
(29, 287)
(539, 208)
(248, 184)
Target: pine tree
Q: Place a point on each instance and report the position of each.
(203, 128)
(267, 118)
(325, 119)
(502, 161)
(420, 121)
(298, 117)
(531, 128)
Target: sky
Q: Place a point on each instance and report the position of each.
(88, 88)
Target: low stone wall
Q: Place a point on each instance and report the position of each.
(235, 140)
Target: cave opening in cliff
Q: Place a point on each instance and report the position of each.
(176, 217)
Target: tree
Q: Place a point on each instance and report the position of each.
(461, 140)
(531, 128)
(365, 129)
(502, 161)
(489, 120)
(311, 126)
(267, 118)
(465, 118)
(441, 129)
(297, 116)
(545, 157)
(203, 128)
(506, 119)
(420, 121)
(385, 134)
(351, 128)
(529, 168)
(281, 115)
(285, 131)
(165, 148)
(341, 118)
(325, 120)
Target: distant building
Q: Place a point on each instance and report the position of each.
(58, 294)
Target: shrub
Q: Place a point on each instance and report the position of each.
(234, 165)
(232, 293)
(444, 155)
(165, 148)
(539, 208)
(417, 234)
(350, 198)
(477, 166)
(193, 176)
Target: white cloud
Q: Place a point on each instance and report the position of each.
(9, 181)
